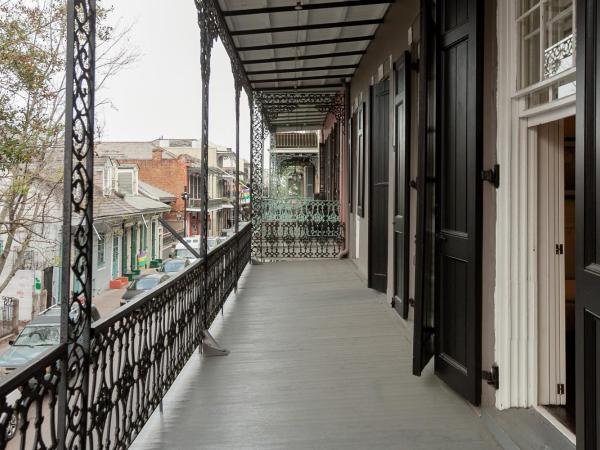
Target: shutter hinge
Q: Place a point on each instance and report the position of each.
(559, 249)
(411, 302)
(492, 376)
(492, 175)
(560, 389)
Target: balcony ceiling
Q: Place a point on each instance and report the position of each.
(314, 47)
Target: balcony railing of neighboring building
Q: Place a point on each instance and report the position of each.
(136, 354)
(194, 204)
(301, 228)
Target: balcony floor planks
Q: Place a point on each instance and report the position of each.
(318, 361)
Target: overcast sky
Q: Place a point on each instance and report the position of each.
(160, 95)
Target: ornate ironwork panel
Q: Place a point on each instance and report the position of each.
(272, 103)
(77, 222)
(29, 403)
(282, 240)
(301, 210)
(559, 57)
(257, 139)
(212, 9)
(301, 228)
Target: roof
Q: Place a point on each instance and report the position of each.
(130, 150)
(115, 206)
(145, 204)
(155, 193)
(106, 207)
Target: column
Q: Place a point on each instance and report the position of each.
(77, 236)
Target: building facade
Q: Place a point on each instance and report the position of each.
(128, 236)
(454, 169)
(173, 165)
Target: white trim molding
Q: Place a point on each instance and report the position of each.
(515, 297)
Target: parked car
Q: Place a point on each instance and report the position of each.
(55, 310)
(174, 265)
(37, 336)
(181, 251)
(142, 284)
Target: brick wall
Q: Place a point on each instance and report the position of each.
(170, 175)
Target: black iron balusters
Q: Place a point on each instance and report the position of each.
(136, 354)
(138, 351)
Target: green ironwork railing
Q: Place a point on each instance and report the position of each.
(301, 210)
(300, 228)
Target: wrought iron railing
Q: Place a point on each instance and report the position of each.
(301, 210)
(300, 228)
(136, 354)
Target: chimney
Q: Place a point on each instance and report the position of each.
(157, 154)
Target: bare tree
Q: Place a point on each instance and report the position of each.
(32, 98)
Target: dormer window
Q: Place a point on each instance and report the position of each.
(127, 179)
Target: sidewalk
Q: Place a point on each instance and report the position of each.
(110, 300)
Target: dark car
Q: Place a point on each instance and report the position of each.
(174, 265)
(141, 284)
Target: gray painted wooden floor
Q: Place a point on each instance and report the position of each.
(318, 361)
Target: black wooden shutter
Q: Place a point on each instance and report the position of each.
(402, 189)
(587, 159)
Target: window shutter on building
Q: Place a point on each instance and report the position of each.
(125, 180)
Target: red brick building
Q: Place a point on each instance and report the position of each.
(174, 166)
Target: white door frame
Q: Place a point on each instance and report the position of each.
(515, 296)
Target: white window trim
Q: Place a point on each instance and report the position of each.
(101, 240)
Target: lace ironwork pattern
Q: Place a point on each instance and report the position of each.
(213, 11)
(77, 222)
(301, 228)
(257, 139)
(295, 239)
(301, 210)
(29, 403)
(272, 103)
(139, 350)
(554, 57)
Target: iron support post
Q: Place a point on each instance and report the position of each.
(238, 89)
(77, 245)
(208, 34)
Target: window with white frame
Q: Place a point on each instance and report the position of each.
(547, 49)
